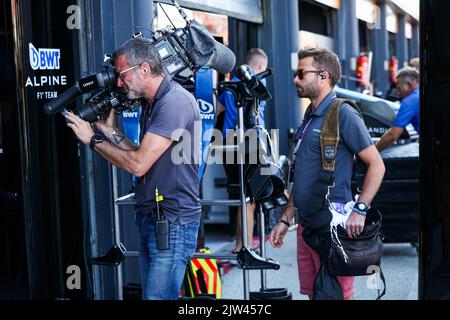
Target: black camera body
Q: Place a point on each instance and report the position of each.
(171, 47)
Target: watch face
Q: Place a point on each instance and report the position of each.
(361, 206)
(97, 138)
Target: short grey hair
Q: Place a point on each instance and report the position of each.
(255, 52)
(415, 63)
(408, 74)
(138, 51)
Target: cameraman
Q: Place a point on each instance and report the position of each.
(166, 108)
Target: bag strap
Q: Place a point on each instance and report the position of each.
(384, 285)
(329, 137)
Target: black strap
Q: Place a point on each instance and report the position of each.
(384, 285)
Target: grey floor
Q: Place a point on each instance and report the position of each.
(399, 265)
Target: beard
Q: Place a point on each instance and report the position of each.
(133, 95)
(133, 91)
(307, 91)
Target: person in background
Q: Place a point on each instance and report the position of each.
(408, 83)
(415, 63)
(257, 60)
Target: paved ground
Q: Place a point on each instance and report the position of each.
(399, 264)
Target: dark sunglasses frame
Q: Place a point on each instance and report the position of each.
(300, 73)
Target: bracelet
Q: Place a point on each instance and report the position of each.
(285, 222)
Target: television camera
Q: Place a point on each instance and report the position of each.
(182, 51)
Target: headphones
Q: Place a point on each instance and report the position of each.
(322, 76)
(145, 70)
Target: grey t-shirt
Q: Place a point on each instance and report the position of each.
(174, 108)
(354, 138)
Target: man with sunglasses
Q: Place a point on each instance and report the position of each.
(318, 71)
(408, 89)
(169, 113)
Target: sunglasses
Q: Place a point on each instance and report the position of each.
(300, 73)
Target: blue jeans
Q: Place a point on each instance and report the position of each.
(162, 271)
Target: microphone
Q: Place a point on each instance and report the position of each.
(244, 73)
(208, 52)
(223, 59)
(254, 84)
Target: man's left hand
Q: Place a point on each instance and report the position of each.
(81, 128)
(355, 224)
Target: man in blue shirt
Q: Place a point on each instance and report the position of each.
(408, 88)
(318, 72)
(257, 60)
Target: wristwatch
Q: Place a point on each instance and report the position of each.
(361, 208)
(96, 138)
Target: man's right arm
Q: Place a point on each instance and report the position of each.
(118, 139)
(139, 161)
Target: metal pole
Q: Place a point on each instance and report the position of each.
(119, 280)
(262, 247)
(241, 151)
(96, 286)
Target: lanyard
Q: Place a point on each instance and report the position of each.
(299, 135)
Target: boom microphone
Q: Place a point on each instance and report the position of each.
(206, 51)
(223, 59)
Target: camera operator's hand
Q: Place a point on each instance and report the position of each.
(108, 125)
(81, 128)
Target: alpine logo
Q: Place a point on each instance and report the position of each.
(44, 59)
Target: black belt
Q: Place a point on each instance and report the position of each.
(148, 211)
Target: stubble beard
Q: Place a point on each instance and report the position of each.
(306, 92)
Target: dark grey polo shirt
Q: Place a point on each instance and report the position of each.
(174, 108)
(354, 137)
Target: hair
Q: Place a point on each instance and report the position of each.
(408, 74)
(255, 52)
(323, 59)
(415, 63)
(138, 51)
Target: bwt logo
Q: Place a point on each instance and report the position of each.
(206, 109)
(44, 59)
